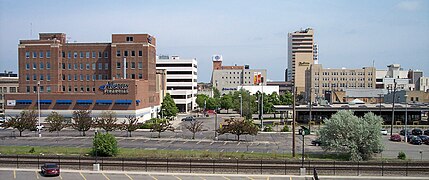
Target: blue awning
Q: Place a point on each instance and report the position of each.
(45, 101)
(103, 101)
(137, 101)
(24, 101)
(84, 101)
(64, 101)
(123, 101)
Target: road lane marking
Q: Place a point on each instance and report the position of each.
(82, 175)
(236, 151)
(238, 143)
(105, 176)
(222, 150)
(185, 142)
(152, 177)
(290, 178)
(226, 178)
(133, 140)
(202, 178)
(177, 177)
(128, 176)
(146, 140)
(225, 143)
(211, 143)
(37, 175)
(198, 142)
(14, 174)
(250, 178)
(60, 176)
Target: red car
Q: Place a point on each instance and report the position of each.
(50, 169)
(395, 137)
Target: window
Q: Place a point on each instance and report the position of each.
(99, 54)
(81, 66)
(48, 54)
(417, 99)
(100, 66)
(75, 77)
(94, 54)
(69, 77)
(87, 66)
(41, 77)
(81, 54)
(100, 77)
(106, 66)
(27, 89)
(133, 76)
(140, 65)
(42, 89)
(69, 66)
(87, 54)
(63, 65)
(27, 77)
(118, 65)
(27, 54)
(133, 53)
(94, 77)
(125, 53)
(75, 89)
(69, 54)
(75, 54)
(88, 77)
(34, 54)
(129, 39)
(140, 76)
(48, 77)
(48, 88)
(41, 65)
(34, 65)
(106, 54)
(81, 77)
(27, 66)
(118, 53)
(41, 54)
(63, 54)
(133, 65)
(93, 66)
(63, 77)
(140, 53)
(48, 65)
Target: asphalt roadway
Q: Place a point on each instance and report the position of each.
(28, 174)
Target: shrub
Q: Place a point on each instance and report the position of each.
(285, 129)
(268, 128)
(32, 150)
(402, 155)
(105, 145)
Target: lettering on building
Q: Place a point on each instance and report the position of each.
(304, 64)
(114, 88)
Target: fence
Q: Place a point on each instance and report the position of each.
(228, 166)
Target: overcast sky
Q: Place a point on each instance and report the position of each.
(350, 34)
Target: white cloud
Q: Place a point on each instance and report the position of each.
(409, 5)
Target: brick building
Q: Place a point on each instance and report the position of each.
(119, 76)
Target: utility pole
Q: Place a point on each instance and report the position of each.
(310, 118)
(393, 107)
(293, 121)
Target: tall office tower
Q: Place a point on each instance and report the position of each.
(300, 56)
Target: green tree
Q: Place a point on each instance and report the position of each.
(130, 124)
(286, 99)
(226, 102)
(249, 103)
(161, 125)
(216, 93)
(104, 145)
(358, 137)
(25, 120)
(201, 98)
(194, 127)
(213, 103)
(107, 121)
(82, 121)
(168, 107)
(238, 126)
(56, 122)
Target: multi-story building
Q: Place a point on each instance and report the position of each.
(385, 79)
(8, 84)
(322, 82)
(414, 76)
(227, 78)
(284, 86)
(424, 84)
(302, 53)
(182, 78)
(119, 76)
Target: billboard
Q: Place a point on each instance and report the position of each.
(257, 78)
(217, 58)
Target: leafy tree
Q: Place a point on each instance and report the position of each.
(226, 102)
(56, 122)
(213, 103)
(238, 126)
(130, 124)
(216, 93)
(286, 99)
(358, 137)
(249, 103)
(82, 121)
(194, 127)
(104, 145)
(161, 125)
(30, 118)
(18, 123)
(201, 98)
(107, 121)
(168, 107)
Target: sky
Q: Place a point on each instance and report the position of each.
(350, 34)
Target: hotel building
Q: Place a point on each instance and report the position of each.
(118, 75)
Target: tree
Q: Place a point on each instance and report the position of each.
(30, 118)
(25, 120)
(56, 122)
(216, 93)
(107, 121)
(226, 102)
(194, 127)
(104, 145)
(286, 99)
(201, 98)
(249, 103)
(130, 124)
(161, 125)
(82, 121)
(238, 126)
(213, 103)
(168, 107)
(359, 137)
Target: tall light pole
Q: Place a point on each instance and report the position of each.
(393, 106)
(406, 118)
(241, 104)
(216, 125)
(293, 120)
(262, 104)
(38, 107)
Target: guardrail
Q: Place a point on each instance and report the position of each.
(228, 166)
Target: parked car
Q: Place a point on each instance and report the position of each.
(416, 140)
(402, 132)
(189, 118)
(50, 169)
(426, 132)
(409, 137)
(316, 142)
(417, 132)
(383, 132)
(395, 137)
(424, 138)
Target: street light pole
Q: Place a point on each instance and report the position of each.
(216, 125)
(262, 104)
(293, 121)
(393, 107)
(38, 107)
(406, 119)
(241, 104)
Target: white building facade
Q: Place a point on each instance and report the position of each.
(181, 80)
(385, 79)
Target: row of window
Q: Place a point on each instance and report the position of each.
(133, 65)
(176, 65)
(11, 89)
(86, 54)
(82, 77)
(41, 77)
(129, 53)
(42, 89)
(40, 54)
(86, 66)
(42, 65)
(341, 79)
(343, 73)
(351, 85)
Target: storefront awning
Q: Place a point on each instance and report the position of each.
(24, 101)
(84, 101)
(45, 101)
(64, 101)
(120, 101)
(103, 101)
